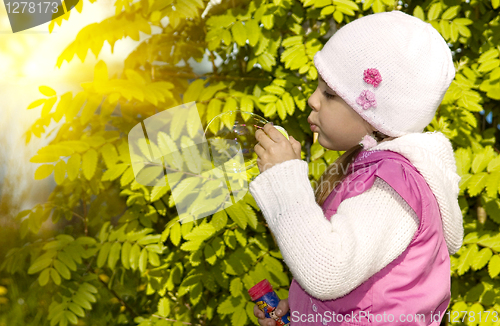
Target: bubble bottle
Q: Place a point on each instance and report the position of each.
(267, 300)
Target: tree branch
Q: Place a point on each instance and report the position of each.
(132, 312)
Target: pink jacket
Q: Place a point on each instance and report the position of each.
(414, 289)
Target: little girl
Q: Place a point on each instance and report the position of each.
(371, 244)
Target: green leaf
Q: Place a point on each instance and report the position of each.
(236, 287)
(175, 234)
(492, 184)
(326, 11)
(75, 106)
(62, 269)
(479, 162)
(191, 245)
(60, 172)
(39, 264)
(36, 103)
(272, 263)
(464, 31)
(239, 33)
(230, 239)
(289, 104)
(43, 171)
(451, 12)
(488, 55)
(445, 28)
(280, 107)
(103, 254)
(209, 282)
(164, 307)
(73, 166)
(43, 278)
(253, 31)
(89, 109)
(153, 258)
(89, 163)
(135, 252)
(435, 11)
(276, 90)
(229, 305)
(454, 31)
(219, 247)
(267, 61)
(268, 21)
(299, 98)
(76, 309)
(55, 276)
(210, 255)
(239, 317)
(88, 287)
(466, 258)
(492, 242)
(89, 296)
(47, 91)
(67, 260)
(127, 177)
(489, 65)
(494, 266)
(114, 254)
(47, 107)
(71, 317)
(79, 299)
(482, 258)
(194, 90)
(201, 232)
(45, 158)
(241, 237)
(125, 254)
(237, 214)
(143, 260)
(477, 183)
(495, 4)
(115, 172)
(219, 220)
(268, 99)
(109, 155)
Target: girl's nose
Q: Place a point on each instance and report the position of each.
(313, 101)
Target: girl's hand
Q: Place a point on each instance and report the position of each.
(263, 321)
(273, 148)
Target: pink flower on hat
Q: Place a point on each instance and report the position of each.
(368, 142)
(372, 76)
(367, 99)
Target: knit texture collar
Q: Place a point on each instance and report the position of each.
(431, 153)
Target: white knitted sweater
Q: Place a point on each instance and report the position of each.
(331, 258)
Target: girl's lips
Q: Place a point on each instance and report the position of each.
(313, 127)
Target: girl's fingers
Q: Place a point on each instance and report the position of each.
(263, 321)
(295, 145)
(258, 313)
(283, 306)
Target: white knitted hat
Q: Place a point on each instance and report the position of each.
(391, 68)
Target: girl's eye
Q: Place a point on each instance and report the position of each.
(328, 95)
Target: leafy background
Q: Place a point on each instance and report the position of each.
(115, 252)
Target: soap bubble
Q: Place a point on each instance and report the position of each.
(231, 136)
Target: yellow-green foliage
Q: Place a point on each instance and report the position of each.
(126, 259)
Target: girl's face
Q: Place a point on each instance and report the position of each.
(339, 127)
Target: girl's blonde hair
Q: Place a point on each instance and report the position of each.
(334, 174)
